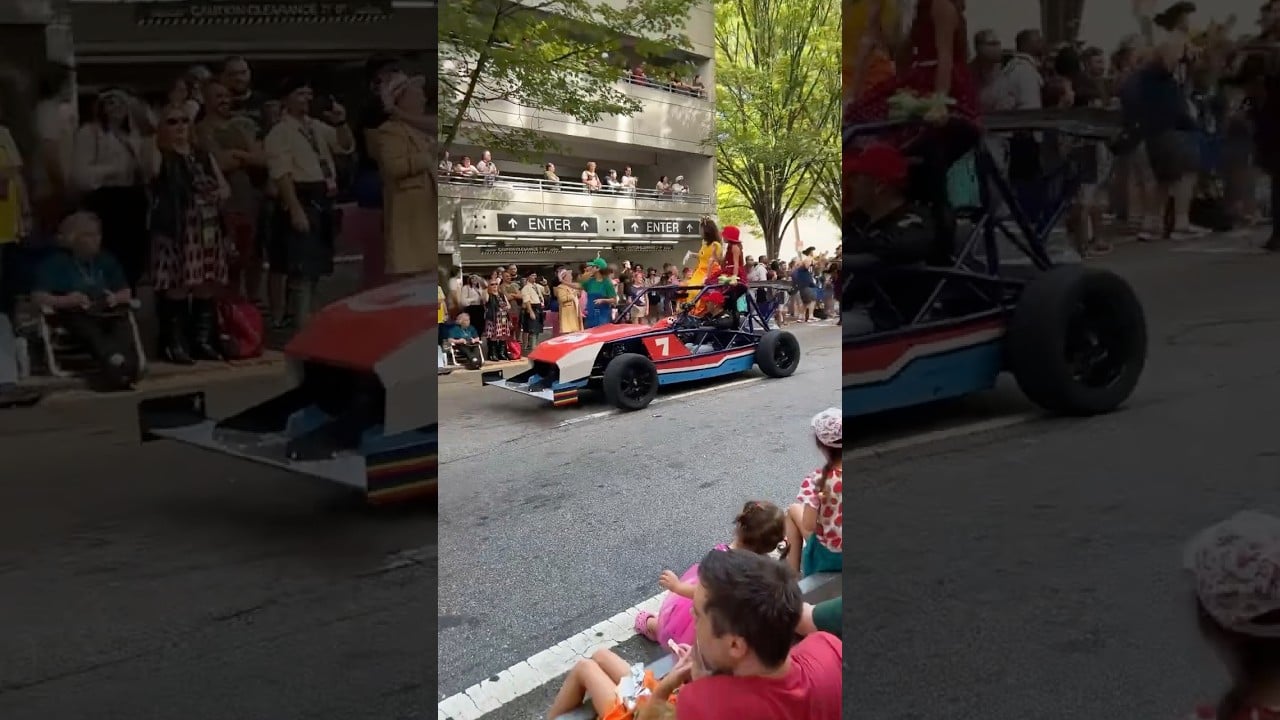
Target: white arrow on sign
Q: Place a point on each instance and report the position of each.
(635, 227)
(688, 228)
(585, 225)
(512, 223)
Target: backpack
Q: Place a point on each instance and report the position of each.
(241, 329)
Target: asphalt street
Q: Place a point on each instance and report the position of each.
(1032, 568)
(161, 582)
(554, 520)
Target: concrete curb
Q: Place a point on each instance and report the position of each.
(462, 375)
(171, 378)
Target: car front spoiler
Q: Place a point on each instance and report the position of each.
(523, 384)
(383, 468)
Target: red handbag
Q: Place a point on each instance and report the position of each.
(240, 325)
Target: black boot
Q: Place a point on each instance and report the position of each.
(205, 339)
(173, 329)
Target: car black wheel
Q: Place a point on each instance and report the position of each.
(778, 353)
(1077, 344)
(630, 381)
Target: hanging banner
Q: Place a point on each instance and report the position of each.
(196, 12)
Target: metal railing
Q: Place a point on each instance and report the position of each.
(666, 86)
(571, 187)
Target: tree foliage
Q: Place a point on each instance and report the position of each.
(777, 105)
(732, 208)
(562, 57)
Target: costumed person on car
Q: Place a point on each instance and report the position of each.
(708, 256)
(882, 228)
(871, 26)
(711, 311)
(731, 273)
(933, 82)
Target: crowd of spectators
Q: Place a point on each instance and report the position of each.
(503, 315)
(590, 180)
(191, 192)
(1191, 102)
(673, 81)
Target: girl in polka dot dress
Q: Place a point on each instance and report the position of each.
(817, 518)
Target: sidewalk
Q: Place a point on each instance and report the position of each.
(163, 376)
(459, 374)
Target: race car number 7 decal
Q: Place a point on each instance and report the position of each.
(665, 346)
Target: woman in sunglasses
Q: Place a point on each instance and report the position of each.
(189, 252)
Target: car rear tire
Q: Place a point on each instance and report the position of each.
(1077, 343)
(778, 353)
(630, 381)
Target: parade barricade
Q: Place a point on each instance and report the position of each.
(815, 589)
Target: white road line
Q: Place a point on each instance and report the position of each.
(1219, 250)
(950, 433)
(541, 668)
(667, 398)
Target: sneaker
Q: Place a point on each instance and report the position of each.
(1187, 234)
(1272, 245)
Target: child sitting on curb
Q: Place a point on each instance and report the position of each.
(760, 528)
(815, 521)
(619, 691)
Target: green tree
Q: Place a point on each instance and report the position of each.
(775, 61)
(553, 56)
(827, 179)
(732, 208)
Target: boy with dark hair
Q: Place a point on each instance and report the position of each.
(746, 611)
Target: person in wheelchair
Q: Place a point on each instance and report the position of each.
(465, 343)
(89, 296)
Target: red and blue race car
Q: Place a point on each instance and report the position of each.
(1073, 337)
(629, 363)
(362, 412)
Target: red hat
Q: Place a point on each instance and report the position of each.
(881, 162)
(730, 234)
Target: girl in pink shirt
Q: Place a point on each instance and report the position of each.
(760, 528)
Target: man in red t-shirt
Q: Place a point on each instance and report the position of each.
(746, 608)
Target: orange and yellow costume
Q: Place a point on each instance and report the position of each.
(858, 15)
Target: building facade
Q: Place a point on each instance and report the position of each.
(521, 219)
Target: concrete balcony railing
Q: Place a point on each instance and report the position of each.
(687, 91)
(668, 120)
(552, 195)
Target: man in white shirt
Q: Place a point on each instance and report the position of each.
(300, 158)
(487, 168)
(1022, 74)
